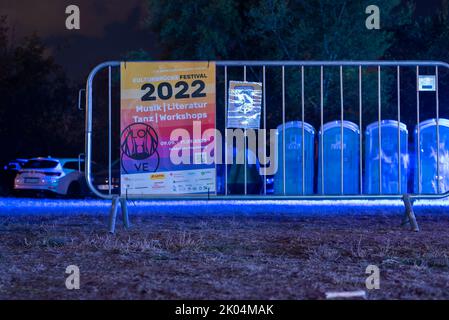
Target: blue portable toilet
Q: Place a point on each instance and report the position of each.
(293, 159)
(429, 176)
(388, 156)
(330, 140)
(236, 174)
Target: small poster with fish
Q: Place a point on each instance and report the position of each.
(244, 105)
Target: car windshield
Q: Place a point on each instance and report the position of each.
(40, 164)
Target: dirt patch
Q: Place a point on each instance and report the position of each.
(222, 258)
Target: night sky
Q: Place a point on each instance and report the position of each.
(109, 29)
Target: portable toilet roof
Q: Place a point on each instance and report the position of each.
(346, 124)
(386, 123)
(432, 122)
(297, 124)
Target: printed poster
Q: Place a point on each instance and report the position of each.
(245, 105)
(160, 101)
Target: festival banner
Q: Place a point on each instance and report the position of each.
(166, 109)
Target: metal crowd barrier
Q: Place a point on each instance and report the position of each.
(376, 165)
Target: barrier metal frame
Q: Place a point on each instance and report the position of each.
(408, 199)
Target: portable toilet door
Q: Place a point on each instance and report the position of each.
(293, 159)
(387, 158)
(428, 174)
(330, 140)
(236, 173)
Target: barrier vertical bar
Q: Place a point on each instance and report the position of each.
(110, 130)
(399, 128)
(245, 143)
(283, 129)
(438, 129)
(216, 145)
(322, 124)
(418, 149)
(379, 126)
(303, 138)
(341, 133)
(361, 131)
(226, 129)
(264, 126)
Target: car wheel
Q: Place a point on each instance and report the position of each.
(74, 190)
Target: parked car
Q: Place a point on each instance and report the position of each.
(60, 176)
(100, 177)
(8, 174)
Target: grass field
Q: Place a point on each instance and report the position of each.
(230, 257)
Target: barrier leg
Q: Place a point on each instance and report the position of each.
(113, 214)
(409, 214)
(405, 220)
(124, 206)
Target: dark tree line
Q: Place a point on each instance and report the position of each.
(309, 30)
(37, 103)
